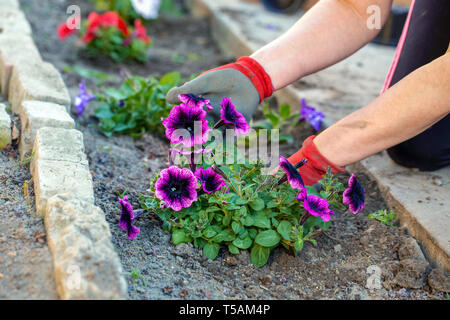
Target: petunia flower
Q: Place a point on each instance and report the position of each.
(317, 207)
(195, 101)
(354, 195)
(229, 114)
(293, 176)
(83, 98)
(302, 195)
(190, 119)
(127, 217)
(176, 187)
(211, 181)
(148, 9)
(311, 115)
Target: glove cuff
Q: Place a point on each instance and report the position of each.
(254, 72)
(314, 157)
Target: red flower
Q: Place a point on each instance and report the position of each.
(140, 31)
(108, 19)
(64, 31)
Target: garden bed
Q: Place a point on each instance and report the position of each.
(334, 269)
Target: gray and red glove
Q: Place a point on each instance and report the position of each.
(245, 82)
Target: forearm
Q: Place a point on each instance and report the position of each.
(405, 110)
(329, 32)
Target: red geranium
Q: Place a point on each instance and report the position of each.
(108, 19)
(64, 31)
(140, 31)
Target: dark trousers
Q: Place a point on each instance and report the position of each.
(428, 38)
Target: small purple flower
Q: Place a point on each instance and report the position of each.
(83, 98)
(354, 195)
(293, 176)
(311, 115)
(127, 217)
(176, 187)
(229, 114)
(190, 119)
(193, 101)
(302, 195)
(211, 181)
(317, 207)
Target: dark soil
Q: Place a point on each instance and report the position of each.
(26, 269)
(335, 269)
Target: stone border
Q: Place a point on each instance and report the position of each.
(429, 224)
(86, 265)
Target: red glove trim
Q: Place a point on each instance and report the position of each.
(253, 71)
(317, 164)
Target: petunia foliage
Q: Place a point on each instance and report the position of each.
(136, 107)
(237, 205)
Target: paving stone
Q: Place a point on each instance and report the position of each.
(59, 144)
(37, 114)
(439, 280)
(13, 21)
(5, 127)
(37, 81)
(86, 264)
(52, 177)
(9, 4)
(14, 50)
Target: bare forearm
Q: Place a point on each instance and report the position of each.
(405, 110)
(329, 32)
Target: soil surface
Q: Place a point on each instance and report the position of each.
(26, 269)
(337, 268)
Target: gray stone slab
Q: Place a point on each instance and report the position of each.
(37, 114)
(13, 21)
(86, 264)
(59, 144)
(52, 177)
(37, 81)
(15, 50)
(5, 127)
(241, 28)
(9, 4)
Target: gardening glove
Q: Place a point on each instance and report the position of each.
(316, 165)
(245, 82)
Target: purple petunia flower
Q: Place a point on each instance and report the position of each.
(317, 207)
(293, 176)
(211, 181)
(127, 217)
(193, 101)
(83, 98)
(354, 195)
(176, 187)
(302, 195)
(192, 119)
(311, 115)
(229, 114)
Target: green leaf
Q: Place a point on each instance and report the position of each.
(248, 221)
(211, 250)
(259, 255)
(311, 190)
(233, 249)
(236, 226)
(179, 236)
(209, 232)
(257, 204)
(298, 246)
(172, 79)
(261, 222)
(267, 238)
(285, 111)
(225, 235)
(284, 228)
(243, 243)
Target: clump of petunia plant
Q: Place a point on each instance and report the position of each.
(108, 34)
(215, 203)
